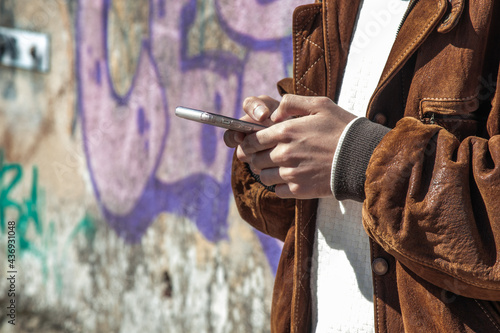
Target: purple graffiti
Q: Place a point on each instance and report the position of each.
(263, 20)
(142, 161)
(162, 4)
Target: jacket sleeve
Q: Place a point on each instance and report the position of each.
(259, 206)
(433, 202)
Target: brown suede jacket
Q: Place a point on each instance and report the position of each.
(432, 185)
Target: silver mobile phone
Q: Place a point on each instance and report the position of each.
(217, 120)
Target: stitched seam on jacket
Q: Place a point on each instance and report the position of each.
(488, 315)
(309, 10)
(297, 318)
(408, 256)
(302, 230)
(398, 61)
(310, 67)
(315, 93)
(308, 39)
(449, 99)
(327, 31)
(297, 44)
(455, 120)
(444, 99)
(375, 290)
(296, 28)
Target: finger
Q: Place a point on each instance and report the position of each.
(284, 188)
(259, 141)
(270, 158)
(240, 154)
(259, 108)
(295, 105)
(233, 138)
(283, 191)
(263, 160)
(256, 108)
(271, 176)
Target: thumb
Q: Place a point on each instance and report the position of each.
(294, 106)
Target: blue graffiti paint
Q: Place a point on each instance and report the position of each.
(162, 8)
(271, 249)
(253, 42)
(143, 126)
(208, 144)
(209, 136)
(142, 123)
(98, 78)
(198, 197)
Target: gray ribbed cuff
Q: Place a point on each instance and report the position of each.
(353, 157)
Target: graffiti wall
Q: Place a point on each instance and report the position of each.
(116, 216)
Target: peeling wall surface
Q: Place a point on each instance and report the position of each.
(124, 216)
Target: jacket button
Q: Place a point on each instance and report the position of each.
(380, 266)
(380, 119)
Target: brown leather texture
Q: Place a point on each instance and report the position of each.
(432, 207)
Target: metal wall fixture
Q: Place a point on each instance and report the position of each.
(24, 49)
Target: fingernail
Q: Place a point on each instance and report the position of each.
(273, 117)
(258, 112)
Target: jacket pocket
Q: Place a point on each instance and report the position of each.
(455, 115)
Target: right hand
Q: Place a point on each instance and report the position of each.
(295, 154)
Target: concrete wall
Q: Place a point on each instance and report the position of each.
(124, 215)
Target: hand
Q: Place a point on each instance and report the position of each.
(296, 152)
(258, 110)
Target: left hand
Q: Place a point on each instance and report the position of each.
(296, 154)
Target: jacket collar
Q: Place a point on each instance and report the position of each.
(420, 22)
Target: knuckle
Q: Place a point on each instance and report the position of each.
(286, 174)
(320, 102)
(286, 100)
(324, 100)
(287, 156)
(247, 102)
(292, 176)
(295, 189)
(283, 132)
(241, 155)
